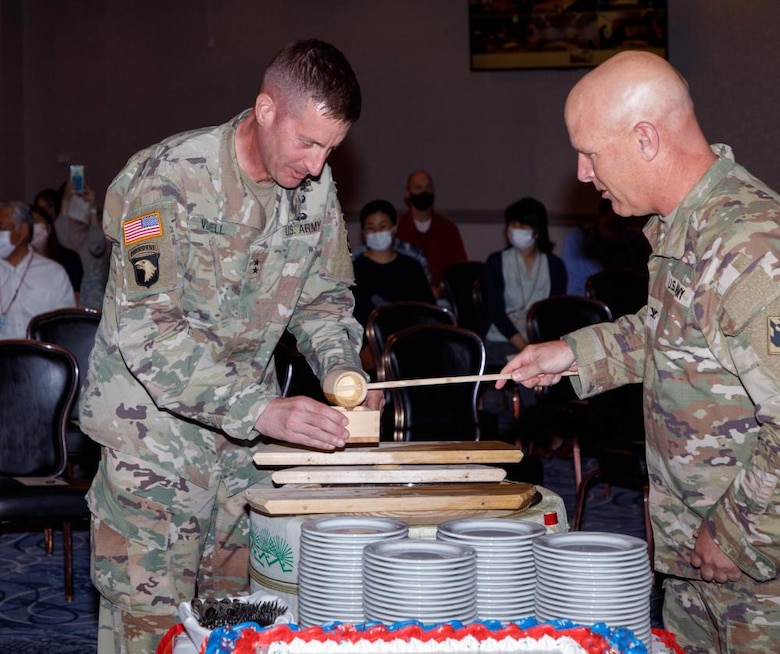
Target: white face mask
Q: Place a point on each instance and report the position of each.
(379, 241)
(522, 239)
(40, 236)
(6, 247)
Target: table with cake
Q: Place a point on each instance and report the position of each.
(425, 547)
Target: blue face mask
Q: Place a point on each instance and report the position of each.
(522, 239)
(6, 247)
(379, 241)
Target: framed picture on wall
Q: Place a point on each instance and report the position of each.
(515, 34)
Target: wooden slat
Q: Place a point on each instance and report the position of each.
(432, 497)
(390, 474)
(434, 452)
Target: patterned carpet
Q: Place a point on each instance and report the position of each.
(34, 616)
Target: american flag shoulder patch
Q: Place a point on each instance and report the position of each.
(149, 225)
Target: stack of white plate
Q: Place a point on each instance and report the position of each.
(330, 582)
(425, 580)
(506, 574)
(592, 577)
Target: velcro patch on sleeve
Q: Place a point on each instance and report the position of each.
(142, 227)
(148, 253)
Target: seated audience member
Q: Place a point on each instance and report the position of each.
(382, 274)
(611, 242)
(78, 228)
(29, 283)
(518, 276)
(49, 200)
(45, 242)
(402, 247)
(422, 227)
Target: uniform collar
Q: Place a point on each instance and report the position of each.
(667, 234)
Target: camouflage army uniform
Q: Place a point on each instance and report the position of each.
(707, 349)
(202, 285)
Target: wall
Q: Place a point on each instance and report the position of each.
(95, 80)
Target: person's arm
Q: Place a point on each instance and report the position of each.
(493, 296)
(455, 247)
(558, 275)
(416, 282)
(170, 327)
(744, 523)
(323, 322)
(61, 290)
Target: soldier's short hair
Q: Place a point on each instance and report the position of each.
(317, 71)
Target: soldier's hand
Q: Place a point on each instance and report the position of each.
(304, 421)
(712, 562)
(541, 364)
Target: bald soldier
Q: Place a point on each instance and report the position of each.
(222, 238)
(705, 348)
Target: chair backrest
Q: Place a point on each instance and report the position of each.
(623, 291)
(72, 328)
(293, 371)
(551, 318)
(392, 318)
(38, 384)
(440, 412)
(459, 286)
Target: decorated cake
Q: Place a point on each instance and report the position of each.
(527, 635)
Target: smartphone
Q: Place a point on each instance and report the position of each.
(77, 178)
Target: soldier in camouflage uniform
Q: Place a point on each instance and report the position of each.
(706, 347)
(222, 238)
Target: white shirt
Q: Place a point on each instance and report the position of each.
(43, 286)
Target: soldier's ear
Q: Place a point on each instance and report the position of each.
(265, 109)
(647, 140)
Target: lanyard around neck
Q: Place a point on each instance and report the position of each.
(16, 291)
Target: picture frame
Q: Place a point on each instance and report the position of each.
(527, 34)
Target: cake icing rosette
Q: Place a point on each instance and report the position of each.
(527, 635)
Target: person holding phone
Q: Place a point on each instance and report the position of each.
(78, 228)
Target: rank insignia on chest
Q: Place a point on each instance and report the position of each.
(773, 334)
(146, 264)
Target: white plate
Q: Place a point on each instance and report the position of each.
(494, 529)
(382, 602)
(413, 591)
(435, 575)
(390, 617)
(419, 551)
(615, 597)
(349, 527)
(609, 617)
(592, 543)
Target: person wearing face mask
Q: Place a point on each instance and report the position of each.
(518, 276)
(45, 242)
(382, 273)
(29, 283)
(437, 236)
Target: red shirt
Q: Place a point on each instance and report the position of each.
(441, 244)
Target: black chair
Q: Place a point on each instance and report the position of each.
(392, 318)
(439, 412)
(74, 329)
(38, 384)
(458, 282)
(293, 371)
(623, 291)
(548, 320)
